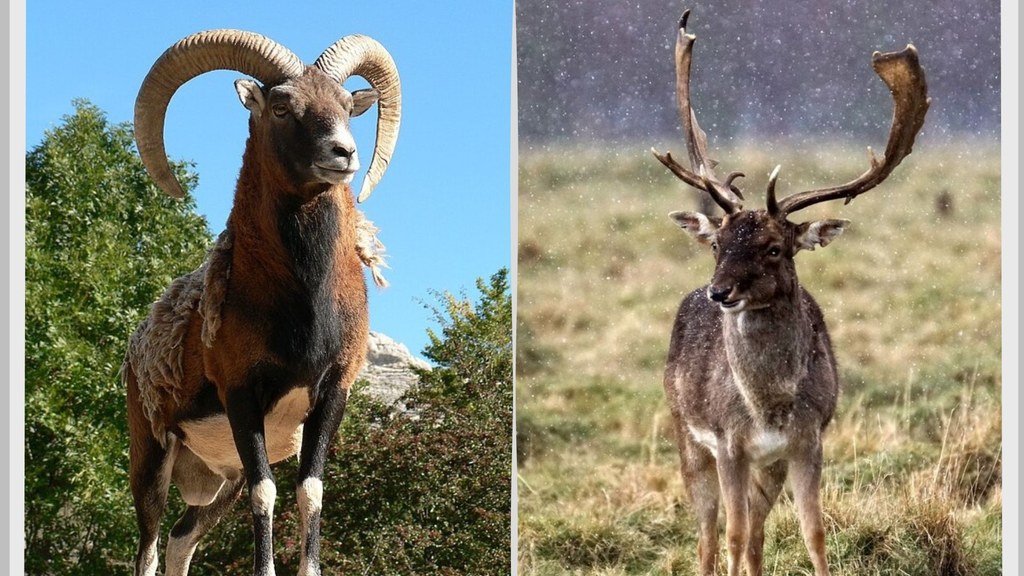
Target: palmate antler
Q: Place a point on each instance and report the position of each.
(703, 176)
(900, 71)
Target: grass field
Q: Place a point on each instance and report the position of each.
(912, 299)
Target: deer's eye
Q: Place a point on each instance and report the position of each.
(714, 246)
(774, 251)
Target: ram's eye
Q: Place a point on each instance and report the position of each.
(714, 246)
(280, 110)
(774, 251)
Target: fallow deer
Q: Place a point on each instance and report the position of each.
(751, 378)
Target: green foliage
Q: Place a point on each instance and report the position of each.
(474, 351)
(101, 243)
(432, 494)
(423, 492)
(427, 491)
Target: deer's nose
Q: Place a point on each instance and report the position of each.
(719, 293)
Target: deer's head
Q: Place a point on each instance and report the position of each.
(754, 249)
(754, 253)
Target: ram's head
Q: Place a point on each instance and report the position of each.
(299, 114)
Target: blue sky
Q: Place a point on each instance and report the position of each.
(443, 205)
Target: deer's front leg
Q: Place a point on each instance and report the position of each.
(701, 479)
(733, 477)
(320, 428)
(245, 413)
(805, 474)
(765, 485)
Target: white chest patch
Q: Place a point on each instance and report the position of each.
(764, 447)
(212, 441)
(705, 437)
(767, 446)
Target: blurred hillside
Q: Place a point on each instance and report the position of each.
(603, 69)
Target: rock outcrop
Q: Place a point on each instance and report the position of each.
(388, 369)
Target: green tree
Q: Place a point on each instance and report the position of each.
(427, 491)
(101, 243)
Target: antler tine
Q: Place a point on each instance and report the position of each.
(773, 206)
(702, 175)
(728, 183)
(903, 74)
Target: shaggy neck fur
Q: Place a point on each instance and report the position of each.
(296, 233)
(301, 265)
(768, 353)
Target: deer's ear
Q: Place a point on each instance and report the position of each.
(818, 233)
(699, 226)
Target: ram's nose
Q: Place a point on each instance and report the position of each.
(343, 151)
(340, 156)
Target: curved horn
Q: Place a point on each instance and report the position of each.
(245, 52)
(363, 56)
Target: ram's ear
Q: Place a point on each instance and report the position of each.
(362, 100)
(818, 233)
(251, 95)
(699, 226)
